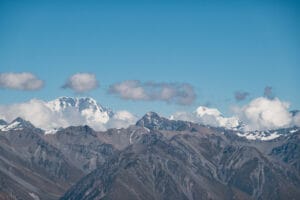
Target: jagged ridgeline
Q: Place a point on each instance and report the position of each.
(157, 158)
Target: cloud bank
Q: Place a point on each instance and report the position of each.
(81, 82)
(20, 81)
(56, 114)
(207, 116)
(178, 93)
(261, 114)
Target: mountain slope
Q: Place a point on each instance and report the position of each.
(29, 166)
(201, 163)
(17, 124)
(153, 121)
(157, 158)
(44, 166)
(81, 147)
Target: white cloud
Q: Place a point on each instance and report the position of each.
(34, 111)
(264, 113)
(20, 81)
(179, 93)
(207, 116)
(130, 89)
(122, 119)
(296, 120)
(184, 116)
(47, 116)
(81, 82)
(260, 114)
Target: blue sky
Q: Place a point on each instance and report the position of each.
(218, 48)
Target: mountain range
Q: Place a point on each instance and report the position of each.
(157, 158)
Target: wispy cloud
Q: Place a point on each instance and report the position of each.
(240, 95)
(20, 81)
(178, 93)
(268, 92)
(81, 82)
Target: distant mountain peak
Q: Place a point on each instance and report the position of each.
(81, 103)
(151, 114)
(17, 124)
(153, 121)
(86, 106)
(150, 118)
(294, 112)
(3, 122)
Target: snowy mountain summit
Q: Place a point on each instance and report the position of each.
(87, 107)
(68, 111)
(86, 111)
(17, 124)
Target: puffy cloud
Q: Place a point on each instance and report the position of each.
(240, 95)
(46, 116)
(268, 92)
(207, 116)
(184, 116)
(179, 93)
(34, 111)
(122, 119)
(131, 89)
(81, 82)
(296, 119)
(20, 81)
(260, 114)
(263, 113)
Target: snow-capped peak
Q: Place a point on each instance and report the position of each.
(68, 111)
(17, 124)
(81, 103)
(86, 106)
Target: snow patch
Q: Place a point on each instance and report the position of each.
(12, 126)
(293, 131)
(34, 196)
(50, 132)
(264, 136)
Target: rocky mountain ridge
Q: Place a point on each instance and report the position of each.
(157, 158)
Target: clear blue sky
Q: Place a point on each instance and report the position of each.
(219, 47)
